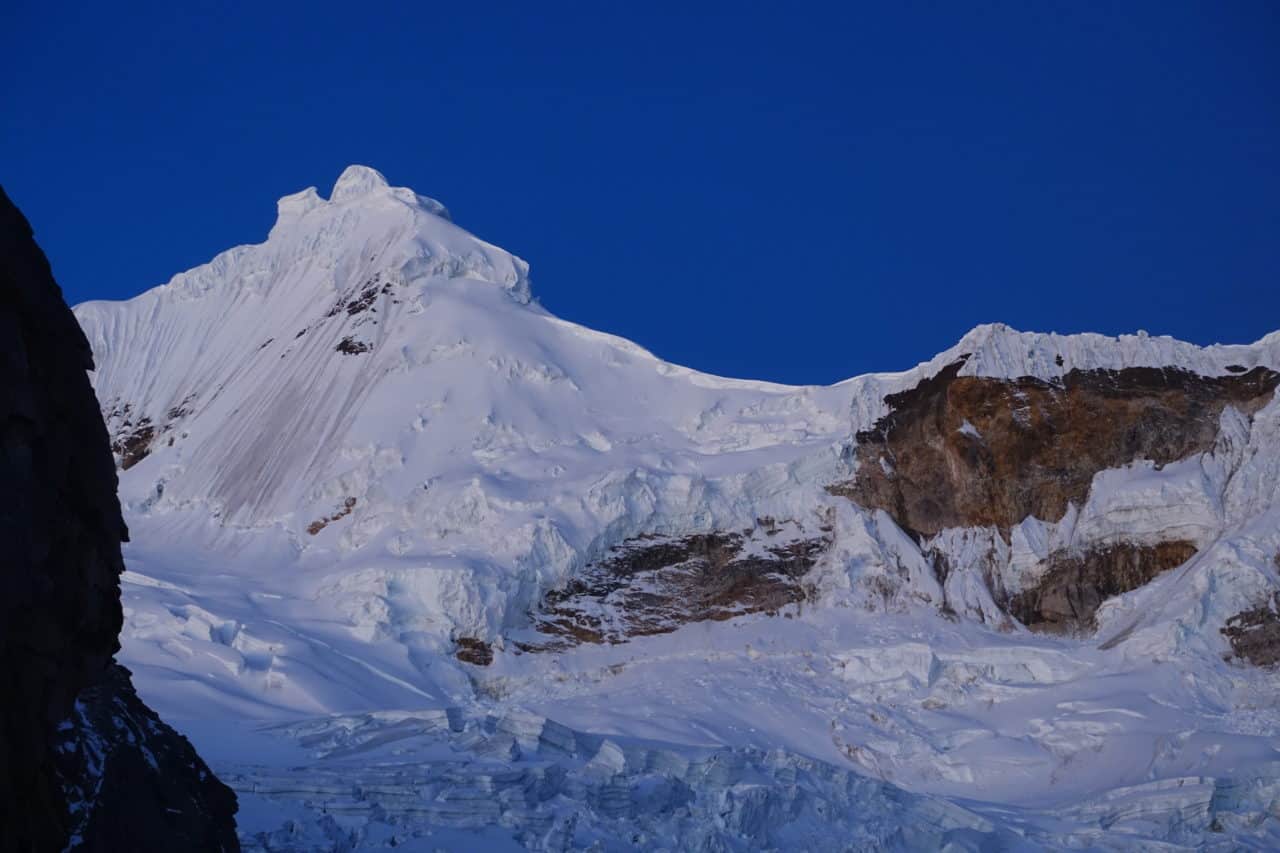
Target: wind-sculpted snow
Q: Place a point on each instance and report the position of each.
(364, 464)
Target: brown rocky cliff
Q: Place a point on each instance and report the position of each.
(978, 452)
(72, 732)
(656, 584)
(969, 451)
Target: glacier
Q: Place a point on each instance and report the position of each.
(353, 445)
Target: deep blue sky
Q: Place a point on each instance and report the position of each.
(790, 191)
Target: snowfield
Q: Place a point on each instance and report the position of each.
(363, 440)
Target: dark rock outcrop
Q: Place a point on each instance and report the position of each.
(653, 585)
(84, 762)
(1075, 585)
(134, 436)
(134, 445)
(1254, 634)
(969, 451)
(321, 523)
(474, 651)
(351, 346)
(131, 782)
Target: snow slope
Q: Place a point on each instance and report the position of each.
(365, 440)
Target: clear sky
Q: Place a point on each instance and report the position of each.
(789, 191)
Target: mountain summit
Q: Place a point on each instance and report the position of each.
(356, 181)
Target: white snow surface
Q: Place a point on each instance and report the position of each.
(472, 451)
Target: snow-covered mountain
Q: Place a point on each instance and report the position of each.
(387, 507)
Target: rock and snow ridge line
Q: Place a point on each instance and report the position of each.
(360, 275)
(325, 251)
(368, 445)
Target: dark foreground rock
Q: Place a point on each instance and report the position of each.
(83, 763)
(157, 793)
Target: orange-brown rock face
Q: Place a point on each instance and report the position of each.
(474, 651)
(976, 452)
(964, 451)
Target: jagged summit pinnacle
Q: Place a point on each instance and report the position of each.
(356, 181)
(355, 184)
